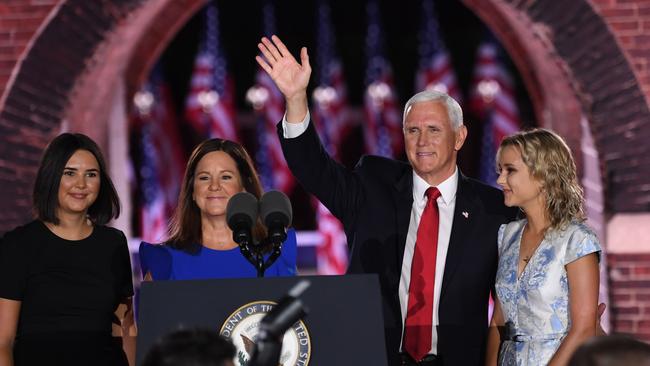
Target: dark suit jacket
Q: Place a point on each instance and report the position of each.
(374, 204)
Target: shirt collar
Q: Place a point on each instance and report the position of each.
(447, 188)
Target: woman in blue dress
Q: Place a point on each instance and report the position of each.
(547, 278)
(200, 245)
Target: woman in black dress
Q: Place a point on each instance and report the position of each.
(64, 275)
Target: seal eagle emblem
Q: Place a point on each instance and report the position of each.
(242, 326)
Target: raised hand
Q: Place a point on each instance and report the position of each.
(288, 75)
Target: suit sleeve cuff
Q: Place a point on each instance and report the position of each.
(292, 130)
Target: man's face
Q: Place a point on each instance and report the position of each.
(431, 143)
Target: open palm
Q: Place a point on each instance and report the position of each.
(289, 76)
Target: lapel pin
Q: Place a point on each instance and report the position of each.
(466, 214)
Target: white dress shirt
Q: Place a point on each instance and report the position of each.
(446, 205)
(292, 130)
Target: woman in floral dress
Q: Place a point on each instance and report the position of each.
(547, 279)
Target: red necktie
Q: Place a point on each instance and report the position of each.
(419, 316)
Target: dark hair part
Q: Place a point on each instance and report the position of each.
(611, 350)
(48, 180)
(196, 347)
(185, 227)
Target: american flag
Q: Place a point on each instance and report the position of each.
(435, 71)
(161, 157)
(210, 107)
(269, 105)
(330, 120)
(493, 100)
(383, 130)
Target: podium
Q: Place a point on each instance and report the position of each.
(344, 325)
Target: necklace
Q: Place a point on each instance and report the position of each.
(529, 250)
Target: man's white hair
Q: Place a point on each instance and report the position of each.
(454, 111)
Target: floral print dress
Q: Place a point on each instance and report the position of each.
(535, 305)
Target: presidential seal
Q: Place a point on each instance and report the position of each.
(242, 327)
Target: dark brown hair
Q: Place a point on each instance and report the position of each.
(198, 347)
(48, 180)
(612, 350)
(185, 227)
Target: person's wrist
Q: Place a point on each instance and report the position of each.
(296, 108)
(297, 98)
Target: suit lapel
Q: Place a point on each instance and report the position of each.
(461, 227)
(403, 199)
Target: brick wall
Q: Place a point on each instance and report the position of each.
(64, 57)
(556, 43)
(629, 274)
(56, 46)
(630, 23)
(630, 293)
(19, 21)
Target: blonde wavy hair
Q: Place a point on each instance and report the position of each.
(550, 161)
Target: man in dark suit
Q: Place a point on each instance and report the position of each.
(381, 203)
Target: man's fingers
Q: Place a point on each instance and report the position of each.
(267, 54)
(271, 48)
(304, 58)
(280, 45)
(263, 64)
(599, 323)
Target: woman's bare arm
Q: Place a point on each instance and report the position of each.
(583, 280)
(9, 312)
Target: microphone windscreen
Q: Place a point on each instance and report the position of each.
(241, 209)
(275, 206)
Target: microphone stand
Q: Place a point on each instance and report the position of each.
(277, 249)
(256, 258)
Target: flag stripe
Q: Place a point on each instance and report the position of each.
(492, 99)
(210, 107)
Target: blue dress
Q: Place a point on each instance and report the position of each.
(536, 305)
(166, 263)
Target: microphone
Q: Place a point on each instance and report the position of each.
(276, 213)
(241, 214)
(290, 309)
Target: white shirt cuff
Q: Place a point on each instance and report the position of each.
(292, 130)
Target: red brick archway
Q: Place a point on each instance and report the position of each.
(596, 55)
(544, 73)
(61, 60)
(59, 69)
